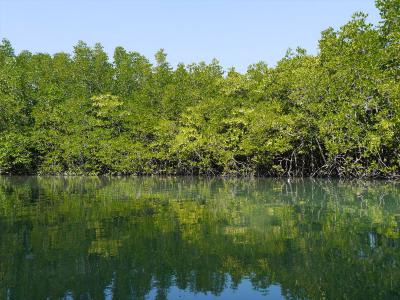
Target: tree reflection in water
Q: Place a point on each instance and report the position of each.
(138, 238)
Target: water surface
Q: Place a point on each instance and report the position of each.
(180, 238)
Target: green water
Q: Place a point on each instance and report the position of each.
(180, 238)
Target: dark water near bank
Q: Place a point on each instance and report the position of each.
(166, 238)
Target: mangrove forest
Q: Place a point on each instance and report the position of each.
(331, 114)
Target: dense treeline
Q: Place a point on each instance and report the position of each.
(333, 114)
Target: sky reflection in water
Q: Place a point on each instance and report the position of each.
(181, 238)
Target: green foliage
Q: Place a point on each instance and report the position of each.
(332, 114)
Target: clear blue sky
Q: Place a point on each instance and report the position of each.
(236, 32)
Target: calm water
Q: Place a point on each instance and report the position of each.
(166, 238)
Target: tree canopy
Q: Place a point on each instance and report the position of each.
(336, 113)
